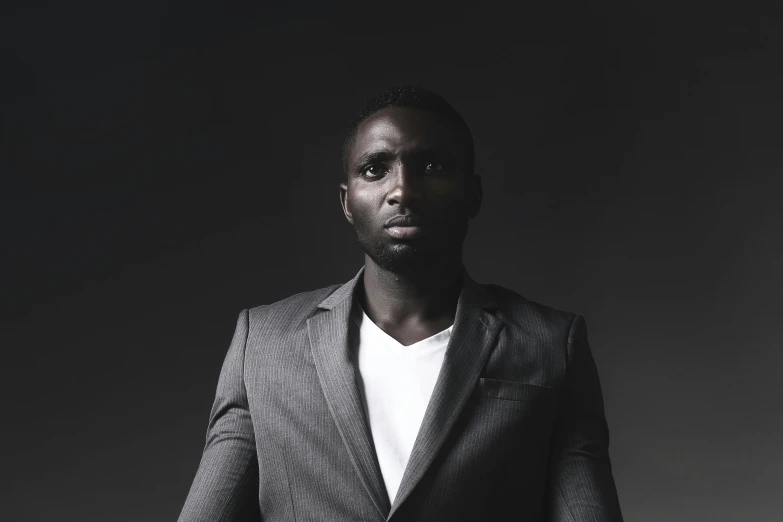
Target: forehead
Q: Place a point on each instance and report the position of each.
(402, 129)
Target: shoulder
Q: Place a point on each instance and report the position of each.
(537, 329)
(288, 312)
(519, 312)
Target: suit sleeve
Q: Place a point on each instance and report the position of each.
(226, 484)
(580, 486)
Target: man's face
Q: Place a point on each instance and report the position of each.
(407, 162)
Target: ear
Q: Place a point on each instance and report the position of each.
(344, 202)
(476, 195)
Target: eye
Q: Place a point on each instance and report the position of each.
(434, 166)
(373, 170)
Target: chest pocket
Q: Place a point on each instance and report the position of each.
(513, 391)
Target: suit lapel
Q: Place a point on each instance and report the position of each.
(328, 332)
(473, 337)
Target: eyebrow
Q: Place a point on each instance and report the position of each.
(374, 156)
(386, 155)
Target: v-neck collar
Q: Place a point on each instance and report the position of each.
(422, 347)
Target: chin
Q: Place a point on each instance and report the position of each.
(401, 257)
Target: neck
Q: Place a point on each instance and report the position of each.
(427, 294)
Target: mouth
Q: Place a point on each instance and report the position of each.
(407, 232)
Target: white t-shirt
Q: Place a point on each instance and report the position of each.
(397, 384)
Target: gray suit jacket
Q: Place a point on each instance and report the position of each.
(515, 428)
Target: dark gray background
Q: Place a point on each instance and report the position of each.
(167, 164)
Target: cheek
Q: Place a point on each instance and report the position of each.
(451, 199)
(363, 205)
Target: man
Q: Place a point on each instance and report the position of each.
(411, 392)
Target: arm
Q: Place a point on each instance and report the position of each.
(580, 487)
(226, 483)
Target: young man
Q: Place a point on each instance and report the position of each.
(411, 392)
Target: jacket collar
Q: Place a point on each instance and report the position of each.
(472, 294)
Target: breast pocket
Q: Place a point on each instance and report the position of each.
(512, 391)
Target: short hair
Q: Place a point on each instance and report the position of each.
(411, 97)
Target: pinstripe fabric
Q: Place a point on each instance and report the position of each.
(515, 428)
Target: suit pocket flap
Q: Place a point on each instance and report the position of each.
(512, 391)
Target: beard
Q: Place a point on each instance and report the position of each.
(398, 258)
(409, 257)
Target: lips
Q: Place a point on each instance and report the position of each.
(405, 221)
(406, 227)
(407, 232)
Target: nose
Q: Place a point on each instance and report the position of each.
(404, 187)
